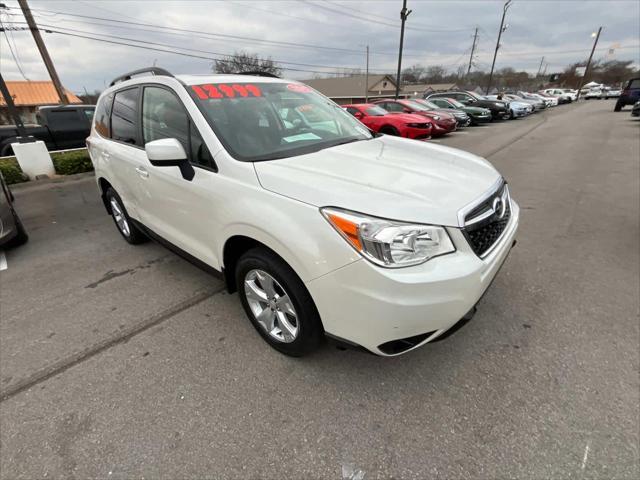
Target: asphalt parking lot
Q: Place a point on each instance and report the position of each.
(127, 362)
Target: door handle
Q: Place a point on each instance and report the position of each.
(142, 172)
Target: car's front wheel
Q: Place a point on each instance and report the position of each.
(277, 303)
(618, 106)
(129, 231)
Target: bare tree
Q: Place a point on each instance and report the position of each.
(245, 62)
(413, 74)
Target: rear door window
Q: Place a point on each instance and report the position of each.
(635, 83)
(123, 117)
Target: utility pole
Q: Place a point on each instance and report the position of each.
(495, 54)
(586, 70)
(43, 51)
(12, 109)
(540, 67)
(366, 79)
(473, 49)
(404, 13)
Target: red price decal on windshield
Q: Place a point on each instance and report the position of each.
(226, 90)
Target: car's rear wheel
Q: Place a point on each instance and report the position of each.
(21, 236)
(277, 303)
(129, 231)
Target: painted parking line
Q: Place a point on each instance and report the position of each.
(3, 261)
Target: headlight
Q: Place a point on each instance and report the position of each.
(436, 117)
(388, 243)
(419, 125)
(499, 104)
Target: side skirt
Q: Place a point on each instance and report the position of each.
(178, 251)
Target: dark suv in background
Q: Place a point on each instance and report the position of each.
(499, 110)
(630, 94)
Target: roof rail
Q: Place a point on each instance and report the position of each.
(152, 70)
(258, 74)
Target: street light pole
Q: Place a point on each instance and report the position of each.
(586, 70)
(404, 13)
(495, 54)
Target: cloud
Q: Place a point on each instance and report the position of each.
(438, 32)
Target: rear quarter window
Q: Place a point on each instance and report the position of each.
(102, 114)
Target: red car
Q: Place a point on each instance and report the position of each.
(379, 120)
(443, 123)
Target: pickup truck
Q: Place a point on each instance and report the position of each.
(59, 127)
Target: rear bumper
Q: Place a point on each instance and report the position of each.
(374, 307)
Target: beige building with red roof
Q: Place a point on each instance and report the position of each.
(28, 96)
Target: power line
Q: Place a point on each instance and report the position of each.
(56, 29)
(15, 59)
(49, 29)
(234, 37)
(384, 22)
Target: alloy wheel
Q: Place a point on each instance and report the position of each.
(271, 306)
(119, 217)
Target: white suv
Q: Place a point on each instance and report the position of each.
(323, 227)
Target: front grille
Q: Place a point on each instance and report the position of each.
(486, 222)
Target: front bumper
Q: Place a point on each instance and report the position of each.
(417, 133)
(520, 113)
(371, 306)
(481, 118)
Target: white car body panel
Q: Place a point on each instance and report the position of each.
(277, 203)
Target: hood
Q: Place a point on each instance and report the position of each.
(490, 103)
(520, 105)
(387, 177)
(442, 113)
(477, 110)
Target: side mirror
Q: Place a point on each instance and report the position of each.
(358, 115)
(168, 152)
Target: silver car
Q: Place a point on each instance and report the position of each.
(12, 232)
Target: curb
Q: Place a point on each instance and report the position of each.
(31, 184)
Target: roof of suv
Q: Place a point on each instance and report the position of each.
(230, 78)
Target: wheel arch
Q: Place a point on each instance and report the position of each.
(104, 185)
(240, 242)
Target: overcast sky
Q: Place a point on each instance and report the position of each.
(438, 33)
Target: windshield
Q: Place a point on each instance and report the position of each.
(265, 121)
(428, 104)
(414, 105)
(376, 111)
(456, 103)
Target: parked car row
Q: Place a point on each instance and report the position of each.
(445, 112)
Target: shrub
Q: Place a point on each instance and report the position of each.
(68, 163)
(11, 171)
(65, 163)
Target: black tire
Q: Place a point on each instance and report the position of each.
(310, 332)
(7, 150)
(618, 106)
(21, 237)
(389, 130)
(134, 235)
